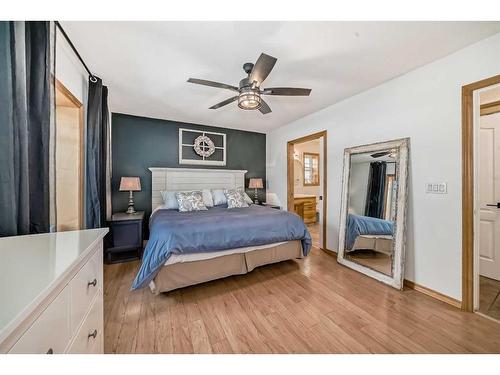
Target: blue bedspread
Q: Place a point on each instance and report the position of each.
(357, 225)
(173, 232)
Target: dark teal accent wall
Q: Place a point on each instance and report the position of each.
(139, 143)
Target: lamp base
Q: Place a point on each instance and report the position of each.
(130, 209)
(256, 197)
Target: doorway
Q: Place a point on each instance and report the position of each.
(307, 183)
(471, 113)
(69, 160)
(487, 221)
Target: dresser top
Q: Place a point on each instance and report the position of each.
(32, 266)
(298, 196)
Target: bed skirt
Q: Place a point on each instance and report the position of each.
(179, 275)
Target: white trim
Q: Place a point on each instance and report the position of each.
(184, 179)
(396, 280)
(202, 161)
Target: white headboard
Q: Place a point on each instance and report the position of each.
(178, 179)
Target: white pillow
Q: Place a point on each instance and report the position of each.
(207, 198)
(218, 197)
(170, 199)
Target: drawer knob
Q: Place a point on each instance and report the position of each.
(50, 351)
(92, 283)
(93, 334)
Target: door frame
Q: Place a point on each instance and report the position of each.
(59, 86)
(291, 177)
(468, 170)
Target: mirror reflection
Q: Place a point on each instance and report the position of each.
(372, 195)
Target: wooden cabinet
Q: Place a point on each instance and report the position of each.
(306, 204)
(84, 287)
(50, 333)
(89, 339)
(125, 237)
(65, 315)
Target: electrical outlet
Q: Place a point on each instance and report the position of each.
(436, 188)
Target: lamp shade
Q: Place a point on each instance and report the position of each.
(130, 184)
(255, 183)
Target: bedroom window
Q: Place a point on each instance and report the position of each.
(311, 169)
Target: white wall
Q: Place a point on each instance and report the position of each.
(358, 187)
(70, 71)
(424, 105)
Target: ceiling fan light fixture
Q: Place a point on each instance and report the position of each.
(249, 99)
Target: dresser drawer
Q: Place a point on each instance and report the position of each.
(84, 287)
(50, 333)
(85, 342)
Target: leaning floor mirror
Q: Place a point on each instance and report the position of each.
(373, 210)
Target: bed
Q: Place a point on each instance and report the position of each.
(187, 248)
(365, 232)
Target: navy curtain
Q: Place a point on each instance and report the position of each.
(376, 190)
(97, 156)
(25, 115)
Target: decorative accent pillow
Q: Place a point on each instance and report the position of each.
(169, 199)
(218, 197)
(207, 198)
(235, 199)
(247, 198)
(190, 201)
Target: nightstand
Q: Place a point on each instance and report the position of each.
(125, 237)
(270, 205)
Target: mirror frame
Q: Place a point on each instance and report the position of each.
(396, 279)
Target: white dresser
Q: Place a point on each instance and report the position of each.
(51, 293)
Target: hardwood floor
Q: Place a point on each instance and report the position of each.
(312, 305)
(489, 297)
(314, 232)
(377, 261)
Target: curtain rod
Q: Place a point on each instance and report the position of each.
(92, 77)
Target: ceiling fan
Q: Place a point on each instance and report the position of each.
(249, 91)
(390, 153)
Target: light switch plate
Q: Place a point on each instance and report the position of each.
(436, 188)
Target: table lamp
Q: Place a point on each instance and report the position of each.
(255, 183)
(130, 184)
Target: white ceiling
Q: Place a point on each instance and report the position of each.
(146, 64)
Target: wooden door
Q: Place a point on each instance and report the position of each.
(489, 196)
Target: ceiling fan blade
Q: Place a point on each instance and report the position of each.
(380, 154)
(212, 84)
(262, 68)
(225, 102)
(264, 108)
(288, 91)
